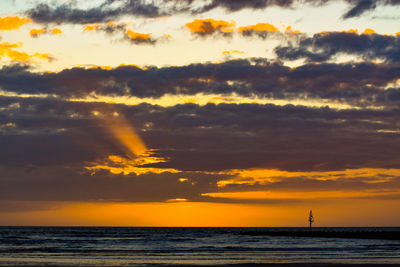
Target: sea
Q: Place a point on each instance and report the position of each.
(146, 246)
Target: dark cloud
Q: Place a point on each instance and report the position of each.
(58, 183)
(325, 46)
(203, 138)
(124, 30)
(236, 5)
(361, 6)
(359, 84)
(113, 9)
(47, 143)
(68, 13)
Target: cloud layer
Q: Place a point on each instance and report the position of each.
(113, 9)
(358, 84)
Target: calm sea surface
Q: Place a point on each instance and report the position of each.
(142, 246)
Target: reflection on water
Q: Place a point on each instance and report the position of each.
(141, 246)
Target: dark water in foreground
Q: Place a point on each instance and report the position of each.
(141, 246)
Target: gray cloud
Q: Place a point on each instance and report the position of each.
(122, 30)
(203, 138)
(66, 183)
(324, 46)
(359, 84)
(47, 142)
(113, 9)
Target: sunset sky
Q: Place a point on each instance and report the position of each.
(200, 113)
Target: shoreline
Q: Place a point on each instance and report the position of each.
(304, 264)
(356, 234)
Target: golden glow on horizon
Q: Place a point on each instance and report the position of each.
(174, 200)
(12, 23)
(327, 213)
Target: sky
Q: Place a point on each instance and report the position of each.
(199, 113)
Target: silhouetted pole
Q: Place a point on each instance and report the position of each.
(311, 219)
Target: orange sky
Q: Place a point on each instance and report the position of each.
(187, 114)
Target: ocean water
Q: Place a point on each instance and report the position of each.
(141, 246)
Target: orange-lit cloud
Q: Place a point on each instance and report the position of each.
(12, 23)
(260, 27)
(8, 50)
(91, 27)
(206, 27)
(138, 165)
(112, 27)
(298, 195)
(210, 26)
(289, 31)
(267, 176)
(56, 31)
(227, 52)
(355, 31)
(36, 32)
(138, 36)
(369, 31)
(142, 38)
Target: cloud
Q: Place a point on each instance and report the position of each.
(361, 6)
(208, 27)
(326, 45)
(37, 32)
(48, 144)
(112, 27)
(204, 27)
(74, 185)
(114, 9)
(356, 84)
(260, 29)
(139, 38)
(68, 13)
(358, 7)
(213, 138)
(8, 50)
(12, 23)
(232, 52)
